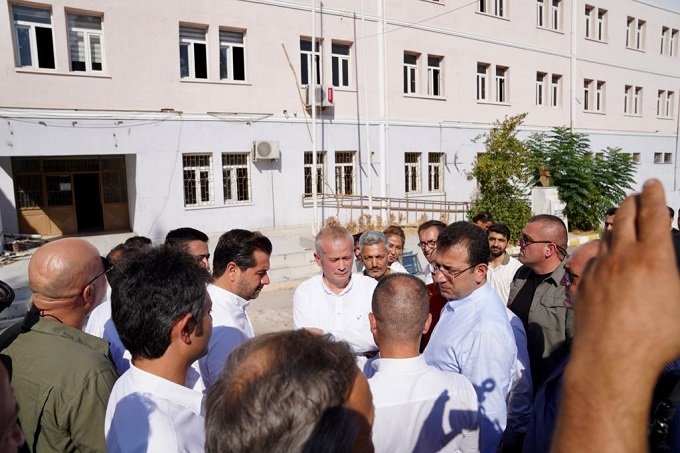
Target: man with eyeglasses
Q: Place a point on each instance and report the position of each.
(473, 336)
(62, 376)
(428, 233)
(544, 416)
(536, 296)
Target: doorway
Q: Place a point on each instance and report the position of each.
(89, 213)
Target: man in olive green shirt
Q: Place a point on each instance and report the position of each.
(62, 377)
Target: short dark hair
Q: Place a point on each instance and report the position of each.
(137, 240)
(484, 216)
(238, 246)
(154, 288)
(274, 390)
(466, 235)
(499, 228)
(431, 223)
(395, 230)
(334, 433)
(611, 211)
(400, 305)
(180, 236)
(554, 227)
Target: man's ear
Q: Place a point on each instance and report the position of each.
(481, 272)
(373, 323)
(184, 327)
(232, 271)
(428, 322)
(89, 296)
(317, 258)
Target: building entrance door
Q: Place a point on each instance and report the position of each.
(89, 214)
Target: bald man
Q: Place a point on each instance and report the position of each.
(62, 376)
(542, 424)
(417, 406)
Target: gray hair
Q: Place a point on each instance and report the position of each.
(371, 238)
(333, 233)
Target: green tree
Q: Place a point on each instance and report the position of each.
(503, 175)
(587, 185)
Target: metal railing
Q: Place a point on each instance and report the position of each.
(406, 212)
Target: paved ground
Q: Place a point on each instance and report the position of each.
(272, 311)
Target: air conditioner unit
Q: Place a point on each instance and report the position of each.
(266, 150)
(324, 97)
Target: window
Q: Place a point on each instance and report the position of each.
(236, 177)
(193, 57)
(658, 158)
(33, 40)
(434, 73)
(501, 84)
(410, 70)
(596, 23)
(593, 95)
(232, 56)
(344, 172)
(411, 173)
(555, 84)
(319, 172)
(663, 158)
(636, 158)
(632, 100)
(435, 172)
(198, 179)
(664, 104)
(540, 88)
(310, 61)
(492, 7)
(550, 18)
(482, 77)
(85, 42)
(340, 64)
(669, 41)
(635, 33)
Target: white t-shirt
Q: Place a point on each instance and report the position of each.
(397, 267)
(501, 277)
(344, 315)
(420, 408)
(148, 413)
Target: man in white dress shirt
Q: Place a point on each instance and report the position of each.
(417, 406)
(473, 336)
(336, 302)
(161, 309)
(503, 265)
(240, 269)
(428, 233)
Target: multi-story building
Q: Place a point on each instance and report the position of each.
(155, 114)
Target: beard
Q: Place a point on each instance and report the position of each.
(496, 252)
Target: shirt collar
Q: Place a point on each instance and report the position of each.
(506, 259)
(227, 296)
(477, 294)
(53, 327)
(344, 291)
(179, 394)
(399, 365)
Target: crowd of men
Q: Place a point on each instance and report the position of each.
(151, 348)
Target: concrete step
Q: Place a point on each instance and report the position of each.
(293, 259)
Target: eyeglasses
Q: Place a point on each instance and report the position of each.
(525, 240)
(570, 277)
(427, 244)
(107, 267)
(449, 273)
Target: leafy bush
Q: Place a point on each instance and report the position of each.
(503, 174)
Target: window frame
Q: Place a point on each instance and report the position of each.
(435, 172)
(229, 62)
(31, 27)
(191, 44)
(501, 84)
(342, 173)
(88, 33)
(198, 180)
(411, 73)
(338, 63)
(434, 76)
(555, 90)
(309, 58)
(307, 173)
(540, 88)
(483, 81)
(412, 177)
(235, 187)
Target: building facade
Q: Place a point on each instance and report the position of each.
(156, 114)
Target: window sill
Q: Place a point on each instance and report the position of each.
(600, 41)
(552, 30)
(667, 118)
(344, 89)
(635, 49)
(62, 73)
(220, 206)
(492, 15)
(595, 112)
(632, 115)
(214, 82)
(434, 2)
(485, 102)
(424, 96)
